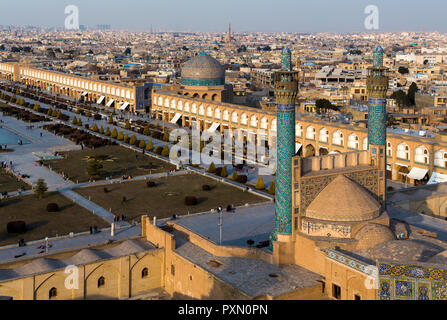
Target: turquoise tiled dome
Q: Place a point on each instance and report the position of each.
(203, 70)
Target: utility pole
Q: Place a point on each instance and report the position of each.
(220, 224)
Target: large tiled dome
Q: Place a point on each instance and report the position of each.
(343, 200)
(203, 70)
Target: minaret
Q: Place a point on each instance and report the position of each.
(377, 87)
(229, 34)
(286, 90)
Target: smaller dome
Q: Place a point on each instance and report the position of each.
(373, 234)
(203, 70)
(343, 200)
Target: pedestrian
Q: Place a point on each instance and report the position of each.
(122, 217)
(91, 230)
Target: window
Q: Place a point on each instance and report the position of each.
(52, 293)
(336, 291)
(145, 273)
(101, 282)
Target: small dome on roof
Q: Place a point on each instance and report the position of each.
(343, 200)
(373, 234)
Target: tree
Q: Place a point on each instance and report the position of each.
(36, 107)
(120, 136)
(324, 104)
(55, 113)
(89, 113)
(412, 93)
(165, 151)
(260, 184)
(234, 175)
(110, 119)
(149, 146)
(127, 125)
(114, 134)
(101, 130)
(403, 70)
(94, 167)
(128, 51)
(142, 144)
(80, 122)
(126, 138)
(401, 98)
(59, 115)
(74, 121)
(107, 132)
(166, 137)
(95, 127)
(224, 173)
(40, 188)
(272, 188)
(133, 140)
(146, 131)
(49, 112)
(212, 168)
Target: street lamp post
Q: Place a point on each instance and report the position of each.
(220, 224)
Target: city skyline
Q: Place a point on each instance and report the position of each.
(249, 16)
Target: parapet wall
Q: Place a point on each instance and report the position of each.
(333, 161)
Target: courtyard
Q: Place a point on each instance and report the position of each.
(167, 197)
(40, 223)
(116, 162)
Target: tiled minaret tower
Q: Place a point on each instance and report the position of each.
(377, 87)
(286, 90)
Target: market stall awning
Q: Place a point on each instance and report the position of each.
(214, 127)
(100, 100)
(437, 178)
(417, 173)
(176, 117)
(124, 106)
(109, 103)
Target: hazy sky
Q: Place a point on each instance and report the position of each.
(244, 15)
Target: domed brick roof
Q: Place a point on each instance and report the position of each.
(343, 200)
(373, 234)
(203, 70)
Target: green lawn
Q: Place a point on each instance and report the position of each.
(116, 161)
(167, 197)
(40, 223)
(10, 183)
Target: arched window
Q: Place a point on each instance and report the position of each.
(441, 158)
(101, 282)
(403, 151)
(180, 105)
(186, 107)
(52, 293)
(389, 149)
(145, 273)
(209, 112)
(160, 101)
(244, 119)
(421, 155)
(353, 141)
(365, 143)
(166, 102)
(338, 138)
(217, 113)
(226, 115)
(201, 110)
(324, 135)
(173, 103)
(273, 126)
(194, 108)
(254, 121)
(234, 117)
(264, 123)
(298, 130)
(310, 133)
